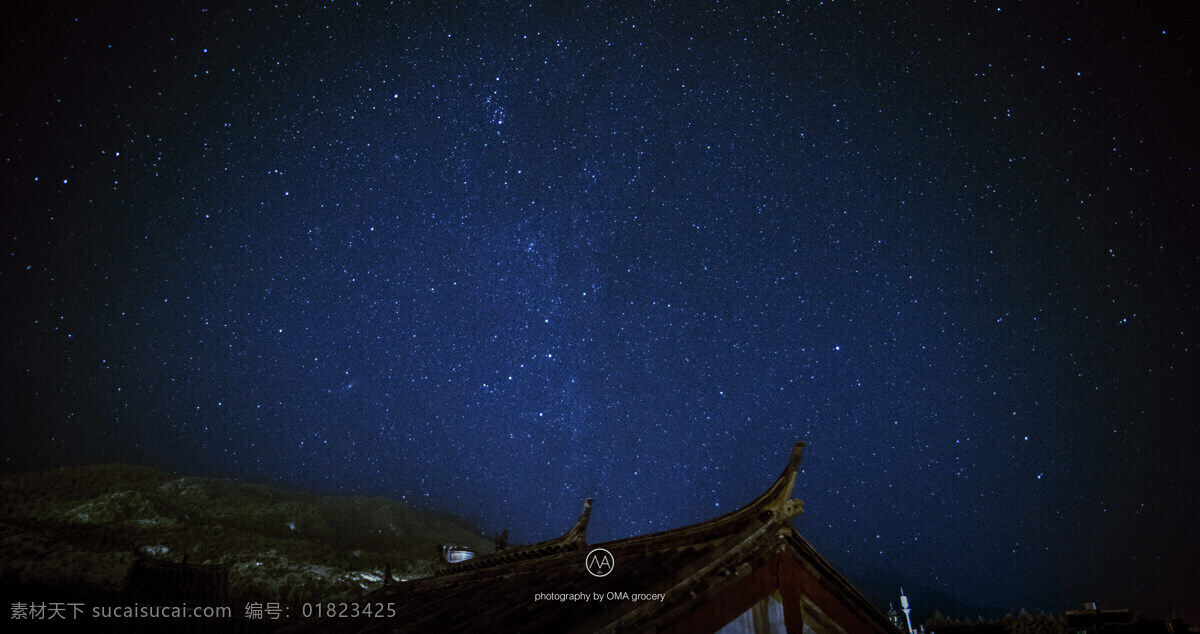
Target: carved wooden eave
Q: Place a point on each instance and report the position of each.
(764, 521)
(777, 500)
(773, 507)
(573, 539)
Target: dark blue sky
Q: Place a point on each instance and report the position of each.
(497, 260)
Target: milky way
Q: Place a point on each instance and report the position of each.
(496, 261)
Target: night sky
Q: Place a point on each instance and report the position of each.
(496, 260)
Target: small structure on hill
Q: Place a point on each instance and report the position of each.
(452, 554)
(747, 571)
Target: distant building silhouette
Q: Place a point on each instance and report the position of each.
(1093, 620)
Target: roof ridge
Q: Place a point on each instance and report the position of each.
(573, 539)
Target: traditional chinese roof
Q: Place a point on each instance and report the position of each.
(707, 574)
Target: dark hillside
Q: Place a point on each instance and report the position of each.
(75, 529)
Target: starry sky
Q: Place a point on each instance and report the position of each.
(497, 259)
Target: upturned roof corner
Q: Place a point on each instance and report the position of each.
(578, 532)
(780, 494)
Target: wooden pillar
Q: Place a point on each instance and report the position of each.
(790, 592)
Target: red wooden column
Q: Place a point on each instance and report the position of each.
(790, 590)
